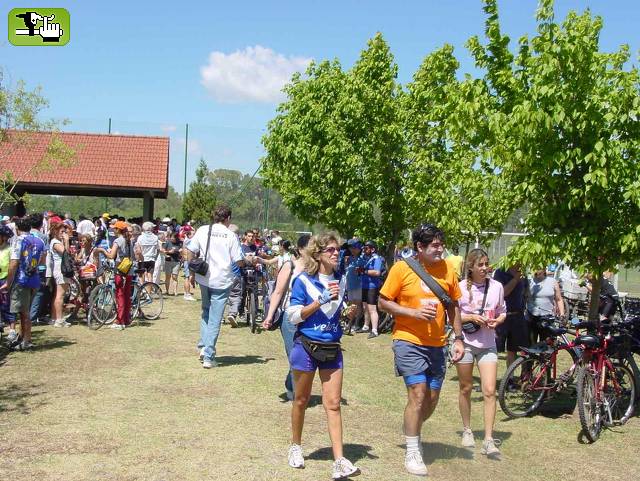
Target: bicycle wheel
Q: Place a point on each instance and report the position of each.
(523, 387)
(589, 408)
(150, 301)
(102, 306)
(253, 311)
(619, 395)
(385, 323)
(134, 312)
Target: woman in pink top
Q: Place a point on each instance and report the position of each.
(482, 308)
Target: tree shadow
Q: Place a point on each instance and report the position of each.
(353, 452)
(224, 361)
(435, 451)
(20, 399)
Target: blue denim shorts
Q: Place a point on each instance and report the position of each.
(300, 360)
(420, 364)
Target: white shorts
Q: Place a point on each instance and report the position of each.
(478, 354)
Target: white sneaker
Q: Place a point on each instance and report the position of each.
(490, 447)
(118, 327)
(414, 464)
(189, 297)
(343, 468)
(61, 323)
(208, 364)
(468, 441)
(296, 459)
(12, 336)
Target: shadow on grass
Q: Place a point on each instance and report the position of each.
(224, 361)
(314, 400)
(560, 405)
(44, 341)
(436, 451)
(19, 399)
(353, 452)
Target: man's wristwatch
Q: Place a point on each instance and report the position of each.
(459, 337)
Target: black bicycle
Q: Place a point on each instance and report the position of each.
(252, 292)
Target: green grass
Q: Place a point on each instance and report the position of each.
(136, 405)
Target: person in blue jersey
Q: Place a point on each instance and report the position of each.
(317, 299)
(371, 283)
(351, 264)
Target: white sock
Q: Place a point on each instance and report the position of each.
(413, 444)
(375, 331)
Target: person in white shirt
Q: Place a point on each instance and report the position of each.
(220, 248)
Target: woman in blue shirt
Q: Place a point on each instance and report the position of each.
(317, 297)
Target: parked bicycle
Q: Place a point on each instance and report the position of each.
(146, 301)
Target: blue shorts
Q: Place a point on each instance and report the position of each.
(185, 269)
(300, 360)
(420, 364)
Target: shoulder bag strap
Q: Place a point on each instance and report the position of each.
(429, 281)
(206, 252)
(484, 297)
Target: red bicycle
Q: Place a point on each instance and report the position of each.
(606, 387)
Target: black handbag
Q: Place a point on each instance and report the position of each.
(471, 327)
(320, 351)
(199, 265)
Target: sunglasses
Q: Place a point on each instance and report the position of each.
(330, 250)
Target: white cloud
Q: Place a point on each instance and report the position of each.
(194, 147)
(255, 74)
(168, 128)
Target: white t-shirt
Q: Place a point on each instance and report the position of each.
(224, 249)
(86, 227)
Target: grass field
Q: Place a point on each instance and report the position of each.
(136, 405)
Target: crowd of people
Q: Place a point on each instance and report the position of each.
(319, 282)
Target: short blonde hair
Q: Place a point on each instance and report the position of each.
(311, 253)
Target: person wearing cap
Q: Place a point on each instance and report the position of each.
(371, 282)
(149, 247)
(352, 263)
(85, 226)
(122, 247)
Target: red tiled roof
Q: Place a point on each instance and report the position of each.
(119, 162)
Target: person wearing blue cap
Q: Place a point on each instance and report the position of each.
(351, 264)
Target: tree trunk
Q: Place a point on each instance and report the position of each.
(594, 306)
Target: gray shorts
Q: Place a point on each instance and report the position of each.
(20, 299)
(478, 354)
(171, 267)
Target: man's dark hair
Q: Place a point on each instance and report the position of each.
(23, 224)
(425, 234)
(221, 213)
(36, 220)
(82, 217)
(303, 240)
(248, 232)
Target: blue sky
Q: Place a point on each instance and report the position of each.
(154, 66)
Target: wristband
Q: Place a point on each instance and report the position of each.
(459, 337)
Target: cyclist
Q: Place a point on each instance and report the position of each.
(482, 309)
(371, 282)
(351, 264)
(122, 247)
(317, 296)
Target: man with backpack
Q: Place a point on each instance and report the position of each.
(27, 253)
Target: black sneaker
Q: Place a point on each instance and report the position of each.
(14, 345)
(372, 335)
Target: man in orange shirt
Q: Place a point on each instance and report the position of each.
(419, 342)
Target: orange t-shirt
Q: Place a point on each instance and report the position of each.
(404, 287)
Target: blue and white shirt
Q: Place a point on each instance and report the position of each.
(349, 269)
(372, 263)
(324, 324)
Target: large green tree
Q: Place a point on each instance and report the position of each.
(200, 200)
(565, 136)
(335, 149)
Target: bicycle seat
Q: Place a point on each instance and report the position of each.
(589, 341)
(555, 331)
(537, 349)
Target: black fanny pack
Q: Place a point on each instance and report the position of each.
(320, 351)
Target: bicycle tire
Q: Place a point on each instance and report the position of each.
(619, 395)
(151, 301)
(134, 310)
(253, 311)
(102, 306)
(516, 385)
(385, 323)
(589, 409)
